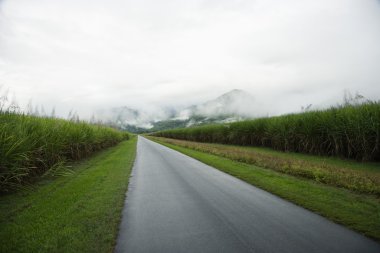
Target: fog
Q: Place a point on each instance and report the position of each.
(97, 55)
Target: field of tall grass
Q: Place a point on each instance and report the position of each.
(33, 146)
(350, 131)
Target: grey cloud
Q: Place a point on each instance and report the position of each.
(93, 55)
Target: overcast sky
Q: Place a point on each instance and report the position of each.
(87, 55)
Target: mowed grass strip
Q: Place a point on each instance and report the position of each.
(76, 213)
(356, 176)
(356, 211)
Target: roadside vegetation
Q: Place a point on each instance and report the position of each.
(348, 131)
(354, 176)
(79, 212)
(355, 210)
(327, 161)
(31, 146)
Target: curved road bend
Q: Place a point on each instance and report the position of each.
(178, 204)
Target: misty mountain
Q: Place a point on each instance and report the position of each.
(125, 116)
(230, 107)
(236, 103)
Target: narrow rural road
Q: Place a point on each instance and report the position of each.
(178, 204)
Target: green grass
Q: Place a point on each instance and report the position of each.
(356, 211)
(30, 146)
(76, 213)
(350, 131)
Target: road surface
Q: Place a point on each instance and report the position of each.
(178, 204)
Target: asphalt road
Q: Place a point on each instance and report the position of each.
(178, 204)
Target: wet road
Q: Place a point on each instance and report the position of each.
(178, 204)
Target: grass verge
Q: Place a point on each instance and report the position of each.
(76, 213)
(344, 174)
(356, 211)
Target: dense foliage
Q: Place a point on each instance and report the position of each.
(30, 146)
(350, 131)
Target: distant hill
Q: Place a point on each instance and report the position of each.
(125, 116)
(230, 107)
(236, 103)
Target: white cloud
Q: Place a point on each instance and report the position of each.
(89, 55)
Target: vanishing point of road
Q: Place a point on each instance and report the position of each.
(178, 204)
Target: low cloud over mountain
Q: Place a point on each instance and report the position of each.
(236, 103)
(231, 106)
